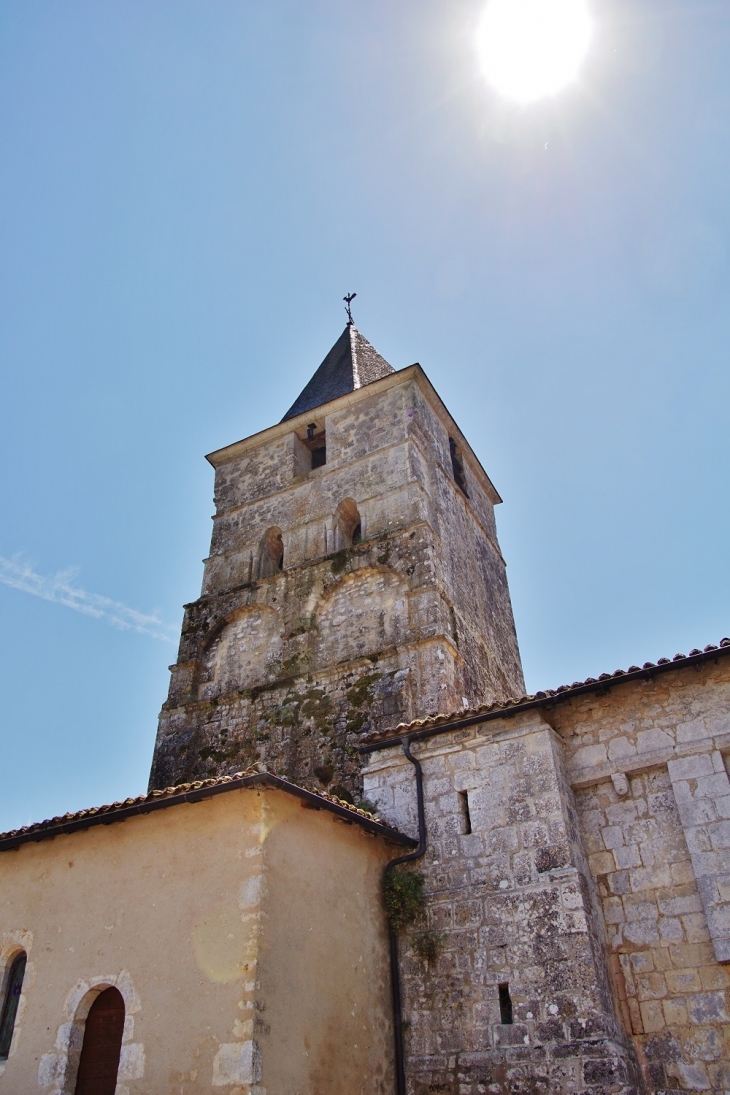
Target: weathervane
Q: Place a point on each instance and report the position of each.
(348, 301)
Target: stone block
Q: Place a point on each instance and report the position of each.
(671, 929)
(604, 1072)
(602, 863)
(675, 1012)
(613, 836)
(650, 878)
(685, 768)
(620, 748)
(695, 928)
(641, 932)
(654, 741)
(714, 977)
(714, 786)
(720, 836)
(627, 857)
(683, 981)
(698, 811)
(694, 1077)
(707, 1007)
(589, 756)
(622, 813)
(652, 1016)
(672, 903)
(651, 986)
(640, 907)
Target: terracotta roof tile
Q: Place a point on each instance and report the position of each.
(191, 792)
(537, 699)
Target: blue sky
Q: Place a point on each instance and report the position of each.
(187, 191)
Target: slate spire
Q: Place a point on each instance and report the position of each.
(351, 363)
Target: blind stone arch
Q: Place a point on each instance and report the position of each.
(365, 612)
(238, 657)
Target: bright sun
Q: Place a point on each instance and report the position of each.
(533, 48)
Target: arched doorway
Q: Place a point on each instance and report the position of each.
(102, 1045)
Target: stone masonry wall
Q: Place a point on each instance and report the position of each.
(604, 872)
(647, 764)
(675, 989)
(292, 668)
(510, 902)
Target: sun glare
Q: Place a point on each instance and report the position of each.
(532, 48)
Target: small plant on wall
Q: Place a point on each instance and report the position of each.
(405, 905)
(403, 897)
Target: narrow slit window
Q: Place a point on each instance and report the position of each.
(10, 1004)
(505, 1004)
(465, 814)
(457, 467)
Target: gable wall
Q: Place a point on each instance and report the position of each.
(201, 915)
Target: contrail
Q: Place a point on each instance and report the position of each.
(19, 574)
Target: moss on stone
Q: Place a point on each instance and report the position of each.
(340, 560)
(361, 692)
(356, 723)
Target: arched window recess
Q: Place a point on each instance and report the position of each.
(271, 553)
(10, 1001)
(348, 524)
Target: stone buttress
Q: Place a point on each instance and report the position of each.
(354, 582)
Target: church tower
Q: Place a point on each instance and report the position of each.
(354, 582)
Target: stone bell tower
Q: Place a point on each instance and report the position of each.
(354, 582)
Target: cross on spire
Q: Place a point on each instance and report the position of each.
(348, 303)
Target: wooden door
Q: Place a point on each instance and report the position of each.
(102, 1045)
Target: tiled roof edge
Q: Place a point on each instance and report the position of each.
(195, 792)
(442, 724)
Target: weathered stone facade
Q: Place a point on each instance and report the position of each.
(512, 898)
(342, 598)
(594, 881)
(577, 868)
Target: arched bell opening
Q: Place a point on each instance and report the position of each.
(271, 553)
(348, 524)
